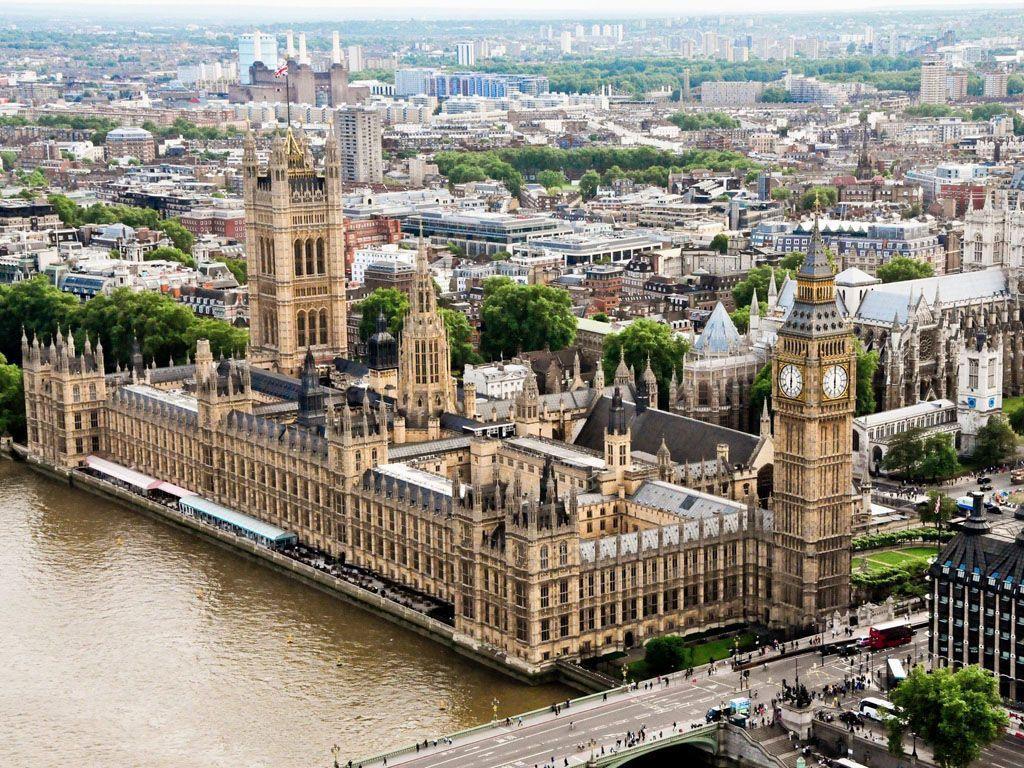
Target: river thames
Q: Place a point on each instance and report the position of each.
(130, 643)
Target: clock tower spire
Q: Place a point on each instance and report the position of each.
(813, 391)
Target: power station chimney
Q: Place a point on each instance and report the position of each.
(335, 48)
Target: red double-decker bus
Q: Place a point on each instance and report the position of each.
(889, 635)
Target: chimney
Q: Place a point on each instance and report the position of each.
(335, 48)
(303, 58)
(289, 45)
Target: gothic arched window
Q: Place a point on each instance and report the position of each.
(979, 247)
(298, 257)
(300, 327)
(544, 559)
(310, 264)
(323, 326)
(321, 268)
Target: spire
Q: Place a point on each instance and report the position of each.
(773, 291)
(622, 374)
(617, 414)
(766, 419)
(816, 262)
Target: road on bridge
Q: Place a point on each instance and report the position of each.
(570, 738)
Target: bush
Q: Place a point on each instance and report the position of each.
(893, 538)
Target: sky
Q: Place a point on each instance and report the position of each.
(283, 10)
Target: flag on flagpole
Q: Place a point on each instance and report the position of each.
(281, 70)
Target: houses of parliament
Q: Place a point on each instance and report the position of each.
(570, 524)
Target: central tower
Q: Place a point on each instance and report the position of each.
(813, 389)
(426, 388)
(295, 254)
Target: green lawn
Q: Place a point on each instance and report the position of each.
(881, 560)
(712, 650)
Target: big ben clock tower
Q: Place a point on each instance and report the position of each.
(813, 390)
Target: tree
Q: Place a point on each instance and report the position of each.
(947, 509)
(938, 458)
(66, 209)
(644, 340)
(12, 400)
(161, 325)
(520, 318)
(225, 339)
(169, 253)
(181, 237)
(819, 197)
(8, 160)
(867, 364)
(904, 268)
(957, 713)
(37, 306)
(720, 243)
(390, 302)
(995, 443)
(781, 193)
(696, 121)
(589, 182)
(601, 317)
(460, 336)
(775, 96)
(663, 655)
(757, 279)
(904, 452)
(239, 268)
(760, 391)
(741, 319)
(552, 179)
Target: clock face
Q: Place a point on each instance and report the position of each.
(791, 381)
(835, 381)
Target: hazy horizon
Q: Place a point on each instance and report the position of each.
(272, 11)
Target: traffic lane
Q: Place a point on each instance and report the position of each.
(683, 701)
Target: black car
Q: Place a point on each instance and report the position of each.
(851, 648)
(851, 717)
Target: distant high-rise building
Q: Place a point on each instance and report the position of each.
(996, 84)
(956, 86)
(253, 47)
(356, 62)
(359, 135)
(933, 82)
(566, 42)
(465, 54)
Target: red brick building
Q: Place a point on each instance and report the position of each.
(214, 221)
(360, 233)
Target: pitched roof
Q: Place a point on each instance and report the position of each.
(719, 335)
(688, 440)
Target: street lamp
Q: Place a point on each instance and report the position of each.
(335, 750)
(914, 753)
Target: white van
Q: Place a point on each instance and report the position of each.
(877, 709)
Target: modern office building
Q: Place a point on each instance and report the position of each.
(977, 598)
(431, 82)
(359, 135)
(253, 47)
(481, 233)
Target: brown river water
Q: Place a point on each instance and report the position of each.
(126, 642)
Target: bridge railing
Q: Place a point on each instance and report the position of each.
(476, 729)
